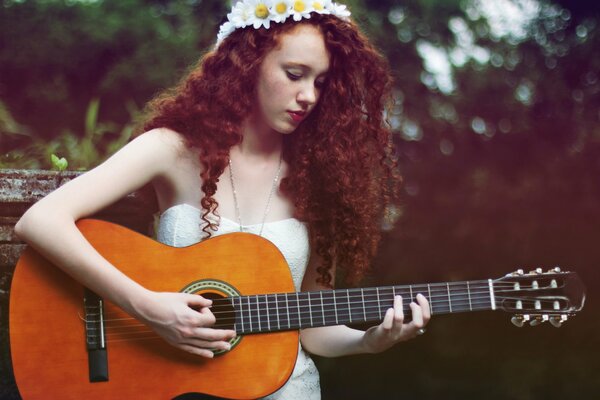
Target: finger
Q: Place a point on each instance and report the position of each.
(388, 319)
(207, 318)
(213, 334)
(195, 300)
(422, 300)
(207, 344)
(398, 310)
(196, 350)
(417, 315)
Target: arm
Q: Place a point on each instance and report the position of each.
(49, 227)
(340, 340)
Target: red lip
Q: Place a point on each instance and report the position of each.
(297, 116)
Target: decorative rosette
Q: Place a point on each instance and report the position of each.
(260, 13)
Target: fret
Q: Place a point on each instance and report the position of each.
(258, 311)
(335, 308)
(322, 308)
(430, 299)
(362, 295)
(249, 314)
(378, 303)
(469, 294)
(298, 308)
(348, 301)
(449, 297)
(287, 308)
(267, 312)
(241, 312)
(310, 311)
(411, 292)
(277, 313)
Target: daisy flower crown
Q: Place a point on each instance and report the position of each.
(259, 13)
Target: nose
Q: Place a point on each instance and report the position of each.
(307, 95)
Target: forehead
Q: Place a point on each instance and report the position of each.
(303, 45)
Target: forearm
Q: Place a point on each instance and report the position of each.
(333, 341)
(55, 236)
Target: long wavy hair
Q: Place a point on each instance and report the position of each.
(342, 172)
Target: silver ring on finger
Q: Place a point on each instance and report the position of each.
(420, 331)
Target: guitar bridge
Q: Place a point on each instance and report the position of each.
(95, 339)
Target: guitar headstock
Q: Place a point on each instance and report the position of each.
(539, 296)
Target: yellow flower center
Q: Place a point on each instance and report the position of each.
(318, 6)
(299, 6)
(261, 11)
(281, 8)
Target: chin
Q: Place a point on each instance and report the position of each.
(285, 130)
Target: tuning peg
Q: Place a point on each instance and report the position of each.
(518, 321)
(557, 320)
(536, 321)
(555, 269)
(535, 271)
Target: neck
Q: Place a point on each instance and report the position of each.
(259, 141)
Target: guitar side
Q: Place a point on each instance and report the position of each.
(48, 338)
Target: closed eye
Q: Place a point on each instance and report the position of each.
(293, 77)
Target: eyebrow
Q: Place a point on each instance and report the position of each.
(304, 67)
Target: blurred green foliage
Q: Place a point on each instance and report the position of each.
(497, 121)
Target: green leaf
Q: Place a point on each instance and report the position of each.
(59, 163)
(91, 117)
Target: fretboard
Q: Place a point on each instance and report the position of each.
(289, 311)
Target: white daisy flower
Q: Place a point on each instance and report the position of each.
(241, 14)
(261, 14)
(340, 11)
(301, 9)
(321, 6)
(280, 10)
(225, 30)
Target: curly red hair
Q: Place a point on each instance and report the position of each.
(341, 166)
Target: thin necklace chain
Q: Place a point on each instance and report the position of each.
(267, 207)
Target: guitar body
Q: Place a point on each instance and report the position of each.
(48, 336)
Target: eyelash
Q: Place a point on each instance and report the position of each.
(294, 77)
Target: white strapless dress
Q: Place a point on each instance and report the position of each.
(179, 226)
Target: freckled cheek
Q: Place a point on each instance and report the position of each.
(277, 95)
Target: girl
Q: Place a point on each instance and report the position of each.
(278, 131)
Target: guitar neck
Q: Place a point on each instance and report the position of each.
(289, 311)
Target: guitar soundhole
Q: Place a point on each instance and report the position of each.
(222, 294)
(222, 310)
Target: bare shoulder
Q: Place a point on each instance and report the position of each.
(177, 179)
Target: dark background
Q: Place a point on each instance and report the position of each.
(500, 155)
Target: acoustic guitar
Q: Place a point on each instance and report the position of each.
(67, 343)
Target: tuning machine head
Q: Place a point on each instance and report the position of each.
(557, 320)
(519, 320)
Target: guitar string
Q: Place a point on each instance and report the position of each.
(312, 296)
(118, 336)
(292, 321)
(226, 302)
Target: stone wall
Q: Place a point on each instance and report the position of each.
(19, 189)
